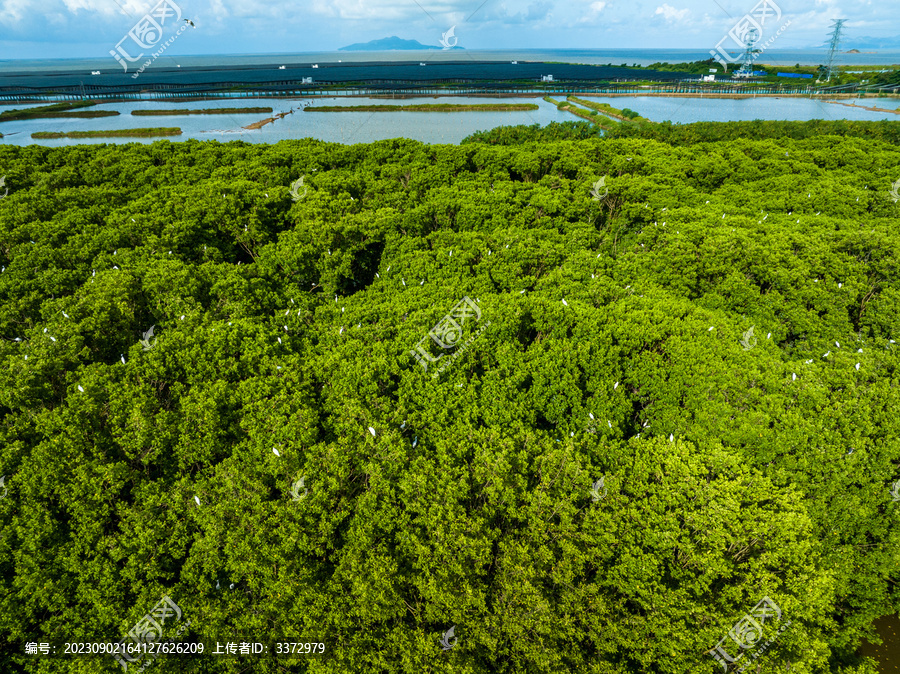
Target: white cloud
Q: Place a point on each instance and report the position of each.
(593, 14)
(13, 11)
(89, 28)
(383, 11)
(672, 14)
(131, 7)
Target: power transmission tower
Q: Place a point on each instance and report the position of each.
(746, 69)
(833, 47)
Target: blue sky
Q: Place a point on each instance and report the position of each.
(90, 28)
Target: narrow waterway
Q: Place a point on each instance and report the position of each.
(888, 653)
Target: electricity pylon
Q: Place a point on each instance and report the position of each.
(750, 40)
(833, 47)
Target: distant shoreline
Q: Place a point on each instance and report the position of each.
(439, 76)
(496, 95)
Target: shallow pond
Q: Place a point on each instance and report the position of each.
(428, 127)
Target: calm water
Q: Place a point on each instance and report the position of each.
(427, 127)
(888, 653)
(338, 127)
(686, 110)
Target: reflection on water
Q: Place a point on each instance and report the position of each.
(888, 653)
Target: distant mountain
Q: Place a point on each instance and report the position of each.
(864, 43)
(392, 43)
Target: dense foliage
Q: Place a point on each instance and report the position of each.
(523, 133)
(704, 132)
(613, 342)
(887, 77)
(695, 67)
(687, 134)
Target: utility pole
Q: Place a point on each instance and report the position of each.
(833, 47)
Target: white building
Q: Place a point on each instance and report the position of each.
(306, 80)
(546, 78)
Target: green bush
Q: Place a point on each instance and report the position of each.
(728, 371)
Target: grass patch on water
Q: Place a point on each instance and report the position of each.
(205, 111)
(56, 110)
(110, 133)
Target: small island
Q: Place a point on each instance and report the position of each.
(392, 43)
(109, 133)
(205, 111)
(56, 110)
